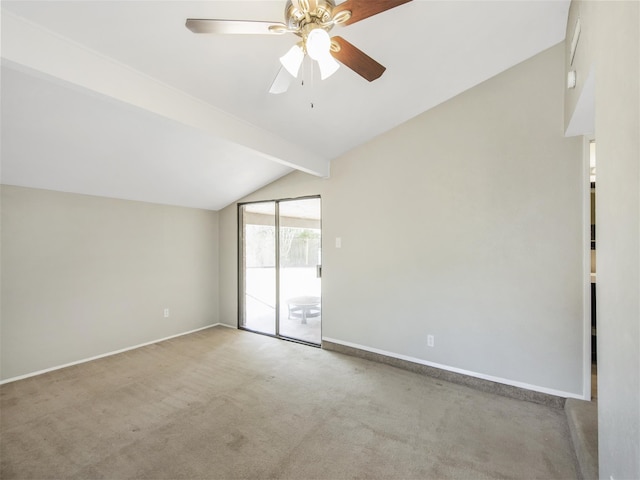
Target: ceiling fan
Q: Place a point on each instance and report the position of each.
(311, 20)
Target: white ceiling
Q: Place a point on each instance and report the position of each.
(118, 98)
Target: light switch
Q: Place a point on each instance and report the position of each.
(338, 242)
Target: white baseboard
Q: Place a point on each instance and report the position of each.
(526, 386)
(225, 325)
(108, 354)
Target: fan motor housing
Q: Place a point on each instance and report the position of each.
(296, 19)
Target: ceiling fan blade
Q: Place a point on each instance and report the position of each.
(206, 25)
(281, 82)
(361, 9)
(356, 59)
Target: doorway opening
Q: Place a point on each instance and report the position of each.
(280, 268)
(594, 331)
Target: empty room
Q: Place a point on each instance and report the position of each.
(320, 239)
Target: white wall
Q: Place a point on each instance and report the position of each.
(464, 223)
(610, 46)
(83, 276)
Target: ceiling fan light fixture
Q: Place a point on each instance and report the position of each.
(310, 20)
(318, 43)
(292, 60)
(328, 66)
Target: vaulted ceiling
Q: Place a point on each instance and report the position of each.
(119, 99)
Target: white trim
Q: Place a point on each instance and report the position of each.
(225, 325)
(108, 354)
(526, 386)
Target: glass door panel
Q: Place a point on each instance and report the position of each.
(299, 223)
(258, 267)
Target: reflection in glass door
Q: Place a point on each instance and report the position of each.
(300, 268)
(283, 301)
(258, 267)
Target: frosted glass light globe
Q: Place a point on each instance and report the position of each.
(318, 43)
(292, 60)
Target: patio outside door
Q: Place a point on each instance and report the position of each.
(280, 268)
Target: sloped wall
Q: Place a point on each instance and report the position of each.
(464, 223)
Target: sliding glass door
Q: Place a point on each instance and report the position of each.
(280, 268)
(258, 267)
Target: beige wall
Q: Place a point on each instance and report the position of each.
(83, 276)
(610, 45)
(464, 223)
(581, 63)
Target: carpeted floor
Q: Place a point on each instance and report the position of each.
(228, 404)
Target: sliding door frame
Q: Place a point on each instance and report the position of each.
(241, 272)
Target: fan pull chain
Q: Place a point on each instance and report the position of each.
(307, 79)
(311, 82)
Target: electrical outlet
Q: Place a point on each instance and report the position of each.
(430, 340)
(166, 313)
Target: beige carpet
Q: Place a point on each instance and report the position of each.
(223, 403)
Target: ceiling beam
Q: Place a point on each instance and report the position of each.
(27, 44)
